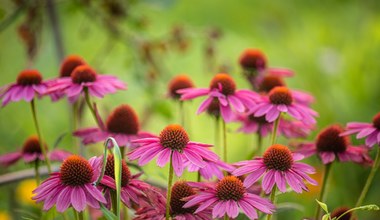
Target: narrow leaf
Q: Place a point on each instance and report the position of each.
(323, 206)
(107, 213)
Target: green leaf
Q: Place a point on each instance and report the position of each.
(107, 213)
(326, 217)
(323, 206)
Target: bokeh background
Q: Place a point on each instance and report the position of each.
(333, 47)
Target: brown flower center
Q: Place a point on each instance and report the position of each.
(123, 120)
(259, 120)
(230, 188)
(31, 145)
(29, 77)
(280, 95)
(83, 74)
(110, 170)
(214, 108)
(253, 59)
(174, 137)
(278, 157)
(179, 82)
(225, 81)
(76, 171)
(329, 140)
(269, 82)
(181, 190)
(376, 121)
(69, 64)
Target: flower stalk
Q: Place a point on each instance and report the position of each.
(323, 189)
(170, 181)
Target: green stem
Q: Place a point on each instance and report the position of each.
(217, 136)
(126, 214)
(226, 217)
(257, 151)
(275, 128)
(114, 202)
(170, 180)
(75, 123)
(199, 178)
(90, 106)
(80, 215)
(369, 179)
(272, 199)
(42, 146)
(36, 164)
(224, 141)
(323, 189)
(182, 113)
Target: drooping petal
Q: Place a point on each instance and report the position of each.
(78, 198)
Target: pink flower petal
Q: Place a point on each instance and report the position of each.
(164, 157)
(78, 198)
(64, 199)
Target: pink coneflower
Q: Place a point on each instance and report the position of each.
(223, 88)
(72, 185)
(85, 78)
(278, 166)
(212, 168)
(122, 124)
(173, 140)
(31, 152)
(281, 99)
(252, 124)
(369, 131)
(177, 83)
(132, 189)
(29, 84)
(330, 144)
(226, 197)
(180, 191)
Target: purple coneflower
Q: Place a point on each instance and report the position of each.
(281, 99)
(226, 197)
(179, 82)
(72, 185)
(122, 124)
(173, 140)
(369, 131)
(132, 189)
(85, 79)
(223, 88)
(278, 166)
(31, 152)
(29, 84)
(180, 191)
(330, 145)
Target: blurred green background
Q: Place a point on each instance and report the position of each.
(333, 47)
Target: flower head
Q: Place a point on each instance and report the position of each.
(369, 131)
(222, 97)
(278, 166)
(227, 197)
(330, 144)
(29, 83)
(122, 124)
(82, 78)
(31, 152)
(132, 190)
(174, 142)
(69, 64)
(179, 82)
(281, 99)
(71, 186)
(253, 59)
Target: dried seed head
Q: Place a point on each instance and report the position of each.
(280, 95)
(181, 190)
(179, 82)
(83, 74)
(329, 140)
(278, 157)
(76, 171)
(225, 81)
(123, 120)
(230, 188)
(69, 64)
(29, 77)
(253, 59)
(174, 137)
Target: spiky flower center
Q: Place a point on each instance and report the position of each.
(181, 190)
(259, 120)
(329, 140)
(270, 82)
(280, 95)
(376, 121)
(69, 64)
(29, 77)
(179, 82)
(230, 188)
(214, 108)
(123, 120)
(31, 145)
(253, 59)
(76, 171)
(110, 170)
(224, 82)
(278, 157)
(339, 211)
(83, 74)
(174, 137)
